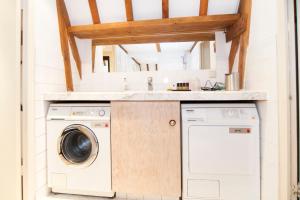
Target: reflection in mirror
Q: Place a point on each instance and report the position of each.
(187, 56)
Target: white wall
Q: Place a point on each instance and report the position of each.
(10, 129)
(49, 77)
(262, 74)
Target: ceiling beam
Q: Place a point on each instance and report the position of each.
(129, 10)
(186, 25)
(93, 56)
(123, 48)
(233, 51)
(203, 7)
(245, 10)
(236, 29)
(94, 11)
(165, 8)
(64, 45)
(62, 11)
(139, 64)
(194, 45)
(156, 39)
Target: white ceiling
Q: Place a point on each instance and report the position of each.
(114, 11)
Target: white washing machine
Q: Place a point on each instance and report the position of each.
(221, 156)
(78, 149)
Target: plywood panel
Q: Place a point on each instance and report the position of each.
(146, 155)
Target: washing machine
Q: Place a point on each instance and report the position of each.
(221, 152)
(79, 149)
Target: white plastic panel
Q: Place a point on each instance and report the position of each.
(213, 150)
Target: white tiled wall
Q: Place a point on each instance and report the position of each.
(49, 77)
(262, 74)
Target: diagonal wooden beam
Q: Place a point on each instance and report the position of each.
(156, 39)
(94, 11)
(96, 20)
(181, 25)
(192, 48)
(245, 10)
(165, 8)
(236, 29)
(233, 51)
(64, 45)
(137, 62)
(123, 48)
(203, 7)
(66, 20)
(93, 56)
(129, 10)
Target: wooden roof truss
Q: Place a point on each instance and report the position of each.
(182, 29)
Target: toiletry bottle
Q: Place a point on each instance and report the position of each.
(125, 84)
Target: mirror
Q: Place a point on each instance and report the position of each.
(187, 56)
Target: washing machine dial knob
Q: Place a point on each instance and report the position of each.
(101, 113)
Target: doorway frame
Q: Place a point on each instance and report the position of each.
(28, 83)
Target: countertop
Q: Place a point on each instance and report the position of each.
(243, 95)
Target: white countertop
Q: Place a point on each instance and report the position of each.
(159, 96)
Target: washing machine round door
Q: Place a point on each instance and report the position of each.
(78, 146)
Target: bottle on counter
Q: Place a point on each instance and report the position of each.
(125, 84)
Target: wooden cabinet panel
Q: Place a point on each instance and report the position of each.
(146, 150)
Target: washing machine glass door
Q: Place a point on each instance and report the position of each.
(78, 146)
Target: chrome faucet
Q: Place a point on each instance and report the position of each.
(150, 84)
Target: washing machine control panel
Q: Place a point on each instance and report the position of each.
(65, 112)
(90, 112)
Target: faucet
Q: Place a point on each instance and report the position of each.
(150, 83)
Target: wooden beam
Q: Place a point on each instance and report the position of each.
(94, 11)
(158, 47)
(93, 57)
(194, 45)
(64, 45)
(138, 63)
(183, 25)
(129, 10)
(236, 29)
(165, 8)
(156, 39)
(203, 7)
(71, 38)
(123, 49)
(233, 51)
(245, 10)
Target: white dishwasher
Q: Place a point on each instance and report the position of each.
(221, 152)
